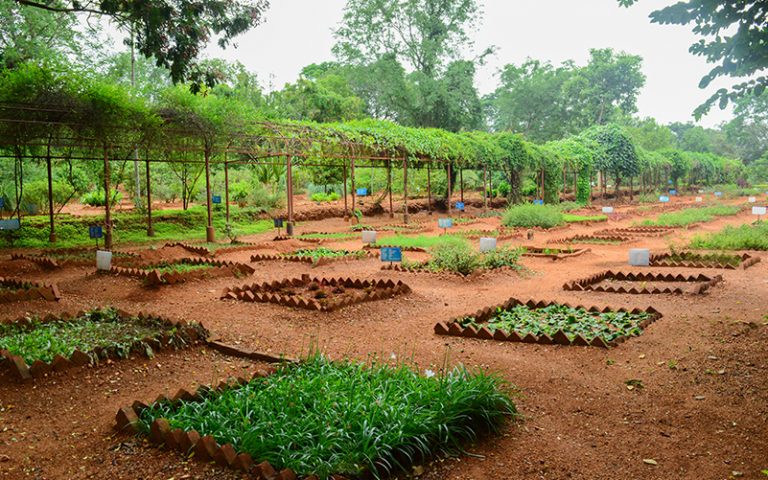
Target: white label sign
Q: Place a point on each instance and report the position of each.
(752, 199)
(759, 211)
(699, 199)
(607, 209)
(369, 236)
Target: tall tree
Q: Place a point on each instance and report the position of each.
(733, 37)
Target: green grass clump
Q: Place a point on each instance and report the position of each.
(167, 267)
(323, 418)
(690, 216)
(421, 241)
(325, 197)
(530, 215)
(744, 237)
(460, 258)
(572, 321)
(570, 218)
(321, 252)
(569, 206)
(323, 236)
(97, 328)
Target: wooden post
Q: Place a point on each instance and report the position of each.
(461, 184)
(52, 234)
(107, 205)
(289, 192)
(344, 175)
(210, 235)
(405, 191)
(485, 188)
(150, 229)
(429, 189)
(389, 187)
(448, 194)
(352, 186)
(490, 186)
(226, 186)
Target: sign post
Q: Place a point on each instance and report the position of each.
(391, 254)
(759, 211)
(445, 224)
(278, 224)
(538, 202)
(460, 207)
(216, 199)
(362, 192)
(95, 232)
(664, 199)
(2, 206)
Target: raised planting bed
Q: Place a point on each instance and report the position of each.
(550, 323)
(211, 249)
(554, 253)
(34, 347)
(320, 419)
(644, 283)
(186, 269)
(594, 239)
(323, 236)
(685, 259)
(395, 227)
(317, 256)
(637, 231)
(503, 234)
(16, 290)
(75, 258)
(322, 294)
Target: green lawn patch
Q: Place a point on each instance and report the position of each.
(422, 241)
(317, 253)
(689, 216)
(323, 418)
(571, 218)
(324, 236)
(530, 215)
(744, 237)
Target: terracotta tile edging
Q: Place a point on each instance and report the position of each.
(153, 277)
(194, 332)
(701, 283)
(452, 327)
(259, 257)
(588, 238)
(661, 260)
(420, 268)
(266, 292)
(28, 290)
(554, 256)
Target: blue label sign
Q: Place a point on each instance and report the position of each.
(216, 199)
(95, 231)
(718, 194)
(445, 222)
(460, 206)
(391, 254)
(12, 224)
(663, 199)
(673, 192)
(2, 203)
(278, 222)
(538, 202)
(362, 192)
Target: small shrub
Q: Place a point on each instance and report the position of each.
(570, 206)
(321, 197)
(529, 215)
(455, 257)
(96, 198)
(502, 257)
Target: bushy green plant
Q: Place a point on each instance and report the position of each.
(690, 216)
(325, 197)
(457, 257)
(96, 198)
(569, 206)
(502, 257)
(323, 418)
(530, 215)
(744, 237)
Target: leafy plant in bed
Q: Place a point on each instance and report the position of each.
(316, 254)
(459, 258)
(549, 322)
(342, 418)
(38, 346)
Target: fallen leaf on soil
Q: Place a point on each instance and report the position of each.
(650, 461)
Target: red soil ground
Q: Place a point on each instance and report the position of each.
(702, 412)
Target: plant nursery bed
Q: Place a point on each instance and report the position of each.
(424, 267)
(478, 234)
(319, 419)
(75, 258)
(35, 347)
(549, 323)
(379, 246)
(644, 283)
(554, 253)
(594, 239)
(729, 261)
(315, 257)
(323, 294)
(16, 290)
(184, 270)
(637, 231)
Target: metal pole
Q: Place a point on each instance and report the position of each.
(289, 192)
(107, 205)
(405, 191)
(210, 234)
(429, 189)
(389, 187)
(135, 149)
(352, 185)
(52, 234)
(461, 184)
(226, 185)
(150, 229)
(346, 206)
(485, 188)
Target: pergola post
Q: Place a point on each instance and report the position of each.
(485, 188)
(344, 183)
(52, 234)
(226, 187)
(405, 191)
(150, 229)
(352, 186)
(289, 192)
(429, 189)
(389, 188)
(210, 234)
(107, 204)
(448, 195)
(461, 184)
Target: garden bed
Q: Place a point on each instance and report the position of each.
(36, 347)
(315, 257)
(685, 259)
(502, 234)
(313, 420)
(184, 270)
(75, 258)
(16, 290)
(594, 239)
(554, 253)
(321, 294)
(638, 231)
(638, 283)
(550, 323)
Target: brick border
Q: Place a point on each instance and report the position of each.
(207, 252)
(701, 283)
(661, 260)
(421, 268)
(51, 263)
(452, 327)
(640, 231)
(154, 278)
(28, 290)
(191, 333)
(264, 292)
(588, 238)
(478, 234)
(379, 246)
(538, 253)
(304, 259)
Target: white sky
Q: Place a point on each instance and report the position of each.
(299, 32)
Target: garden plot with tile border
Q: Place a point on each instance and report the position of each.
(687, 259)
(17, 290)
(625, 283)
(79, 258)
(315, 257)
(598, 239)
(293, 421)
(637, 231)
(549, 323)
(554, 253)
(321, 294)
(36, 347)
(186, 269)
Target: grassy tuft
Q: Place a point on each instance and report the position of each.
(744, 237)
(689, 216)
(530, 215)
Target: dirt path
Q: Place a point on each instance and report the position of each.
(702, 412)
